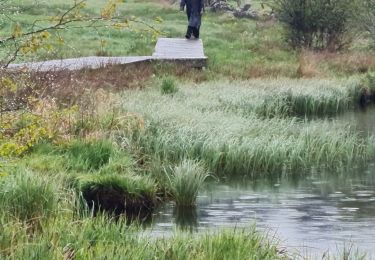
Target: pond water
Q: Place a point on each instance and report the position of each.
(310, 215)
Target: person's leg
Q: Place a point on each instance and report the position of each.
(189, 31)
(196, 32)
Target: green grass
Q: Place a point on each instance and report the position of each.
(248, 50)
(237, 48)
(185, 181)
(105, 238)
(219, 124)
(97, 169)
(27, 197)
(168, 85)
(92, 155)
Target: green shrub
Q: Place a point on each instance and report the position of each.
(185, 181)
(321, 24)
(85, 156)
(168, 85)
(27, 197)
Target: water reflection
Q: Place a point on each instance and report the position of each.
(362, 119)
(186, 218)
(322, 212)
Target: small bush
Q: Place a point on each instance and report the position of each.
(27, 197)
(318, 24)
(168, 85)
(85, 156)
(185, 181)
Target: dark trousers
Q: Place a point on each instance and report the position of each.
(191, 29)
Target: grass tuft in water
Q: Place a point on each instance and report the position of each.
(185, 181)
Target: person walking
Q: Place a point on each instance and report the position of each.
(194, 9)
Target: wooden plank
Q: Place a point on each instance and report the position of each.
(171, 50)
(79, 63)
(174, 48)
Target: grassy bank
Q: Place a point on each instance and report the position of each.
(105, 238)
(43, 217)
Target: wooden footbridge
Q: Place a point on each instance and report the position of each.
(171, 50)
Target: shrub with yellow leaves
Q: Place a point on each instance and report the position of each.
(22, 130)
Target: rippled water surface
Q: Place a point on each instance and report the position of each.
(310, 215)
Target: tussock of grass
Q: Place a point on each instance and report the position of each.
(118, 193)
(185, 181)
(27, 197)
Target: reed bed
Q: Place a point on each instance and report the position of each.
(221, 125)
(281, 97)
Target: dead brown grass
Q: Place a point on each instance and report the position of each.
(181, 71)
(69, 87)
(354, 62)
(321, 64)
(271, 71)
(308, 65)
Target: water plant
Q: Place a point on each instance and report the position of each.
(185, 181)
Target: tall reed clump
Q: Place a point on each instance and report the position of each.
(27, 197)
(185, 181)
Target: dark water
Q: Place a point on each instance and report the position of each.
(363, 120)
(310, 215)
